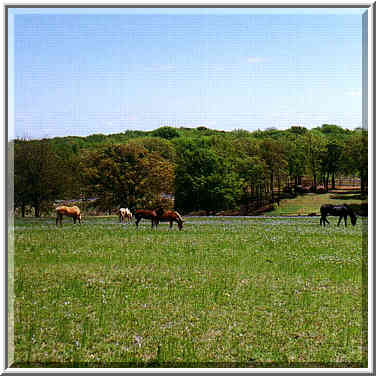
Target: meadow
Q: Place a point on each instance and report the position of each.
(223, 292)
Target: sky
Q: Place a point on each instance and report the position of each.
(76, 72)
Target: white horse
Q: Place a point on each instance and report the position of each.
(124, 214)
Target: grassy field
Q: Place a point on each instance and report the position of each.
(310, 202)
(223, 292)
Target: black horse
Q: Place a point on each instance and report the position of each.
(341, 211)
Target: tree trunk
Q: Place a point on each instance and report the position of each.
(272, 185)
(326, 182)
(362, 183)
(314, 183)
(333, 181)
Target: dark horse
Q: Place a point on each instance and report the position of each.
(169, 216)
(341, 211)
(146, 214)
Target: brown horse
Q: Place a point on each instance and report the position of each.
(125, 214)
(146, 214)
(73, 212)
(169, 216)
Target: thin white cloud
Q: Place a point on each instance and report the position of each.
(255, 59)
(354, 93)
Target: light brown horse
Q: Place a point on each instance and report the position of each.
(125, 214)
(146, 214)
(170, 216)
(69, 211)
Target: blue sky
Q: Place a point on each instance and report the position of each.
(80, 72)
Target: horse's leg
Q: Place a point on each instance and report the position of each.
(345, 220)
(321, 221)
(339, 221)
(57, 219)
(137, 220)
(171, 223)
(74, 219)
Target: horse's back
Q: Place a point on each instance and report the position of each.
(67, 210)
(326, 206)
(171, 215)
(336, 210)
(143, 213)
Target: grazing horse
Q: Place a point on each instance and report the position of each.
(341, 211)
(170, 216)
(146, 214)
(125, 214)
(73, 212)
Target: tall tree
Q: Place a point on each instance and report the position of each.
(314, 146)
(127, 175)
(38, 174)
(296, 158)
(356, 156)
(331, 161)
(273, 153)
(204, 180)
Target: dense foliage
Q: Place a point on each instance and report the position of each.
(192, 169)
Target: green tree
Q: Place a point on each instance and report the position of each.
(166, 132)
(331, 161)
(204, 180)
(38, 174)
(356, 156)
(127, 175)
(295, 155)
(314, 146)
(273, 153)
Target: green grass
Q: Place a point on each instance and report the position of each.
(220, 293)
(311, 202)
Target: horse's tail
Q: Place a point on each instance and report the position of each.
(179, 217)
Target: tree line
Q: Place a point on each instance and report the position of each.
(192, 169)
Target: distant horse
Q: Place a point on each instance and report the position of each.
(146, 214)
(73, 212)
(169, 216)
(341, 211)
(125, 214)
